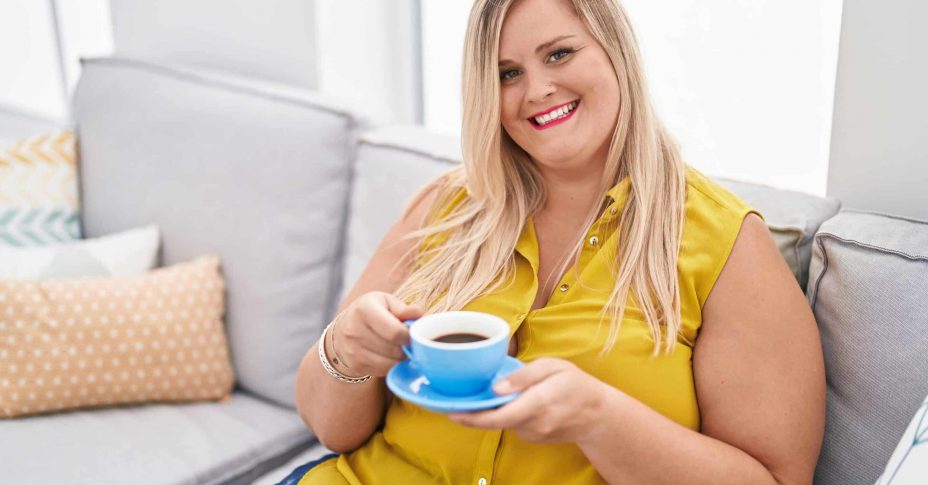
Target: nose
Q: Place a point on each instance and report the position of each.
(540, 89)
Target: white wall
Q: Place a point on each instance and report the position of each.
(369, 53)
(86, 31)
(273, 40)
(30, 80)
(879, 158)
(363, 52)
(443, 26)
(746, 85)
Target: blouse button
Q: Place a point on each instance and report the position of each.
(482, 481)
(564, 287)
(594, 241)
(613, 211)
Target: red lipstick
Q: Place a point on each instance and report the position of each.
(556, 122)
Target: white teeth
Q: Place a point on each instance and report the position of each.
(556, 114)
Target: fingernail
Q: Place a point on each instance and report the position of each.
(502, 387)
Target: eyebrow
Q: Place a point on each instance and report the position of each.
(540, 47)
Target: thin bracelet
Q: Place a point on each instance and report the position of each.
(331, 370)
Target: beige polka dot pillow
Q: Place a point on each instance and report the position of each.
(90, 342)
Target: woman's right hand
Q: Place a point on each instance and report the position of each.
(369, 334)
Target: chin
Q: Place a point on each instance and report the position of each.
(555, 161)
(559, 156)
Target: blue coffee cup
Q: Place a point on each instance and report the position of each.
(458, 369)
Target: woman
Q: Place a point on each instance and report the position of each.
(575, 219)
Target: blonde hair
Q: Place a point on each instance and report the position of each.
(473, 244)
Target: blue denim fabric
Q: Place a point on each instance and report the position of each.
(294, 477)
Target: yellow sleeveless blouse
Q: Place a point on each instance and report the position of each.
(417, 446)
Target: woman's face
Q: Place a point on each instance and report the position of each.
(559, 93)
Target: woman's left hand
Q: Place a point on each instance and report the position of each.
(559, 403)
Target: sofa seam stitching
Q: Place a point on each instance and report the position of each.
(912, 257)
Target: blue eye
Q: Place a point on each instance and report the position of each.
(510, 74)
(560, 54)
(507, 75)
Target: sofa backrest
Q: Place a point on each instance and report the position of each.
(394, 162)
(257, 175)
(286, 188)
(868, 288)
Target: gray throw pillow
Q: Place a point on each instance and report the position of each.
(792, 218)
(254, 174)
(868, 288)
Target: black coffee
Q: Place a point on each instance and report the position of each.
(460, 338)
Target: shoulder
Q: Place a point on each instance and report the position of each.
(710, 195)
(433, 198)
(714, 217)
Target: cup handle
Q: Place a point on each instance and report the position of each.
(406, 349)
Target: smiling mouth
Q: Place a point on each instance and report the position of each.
(555, 117)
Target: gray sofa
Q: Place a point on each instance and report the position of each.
(294, 192)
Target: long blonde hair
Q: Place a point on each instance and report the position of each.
(475, 241)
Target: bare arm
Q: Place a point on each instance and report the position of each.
(760, 383)
(344, 416)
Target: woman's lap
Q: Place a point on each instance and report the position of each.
(297, 474)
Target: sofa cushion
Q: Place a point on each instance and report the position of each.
(208, 443)
(310, 454)
(38, 191)
(252, 173)
(392, 164)
(868, 286)
(122, 254)
(88, 342)
(792, 217)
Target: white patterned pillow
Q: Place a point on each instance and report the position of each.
(126, 253)
(909, 463)
(38, 191)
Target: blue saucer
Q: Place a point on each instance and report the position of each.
(409, 384)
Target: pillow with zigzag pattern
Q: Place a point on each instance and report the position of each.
(38, 191)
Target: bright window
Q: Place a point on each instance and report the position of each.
(40, 44)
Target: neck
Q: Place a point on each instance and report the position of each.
(571, 194)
